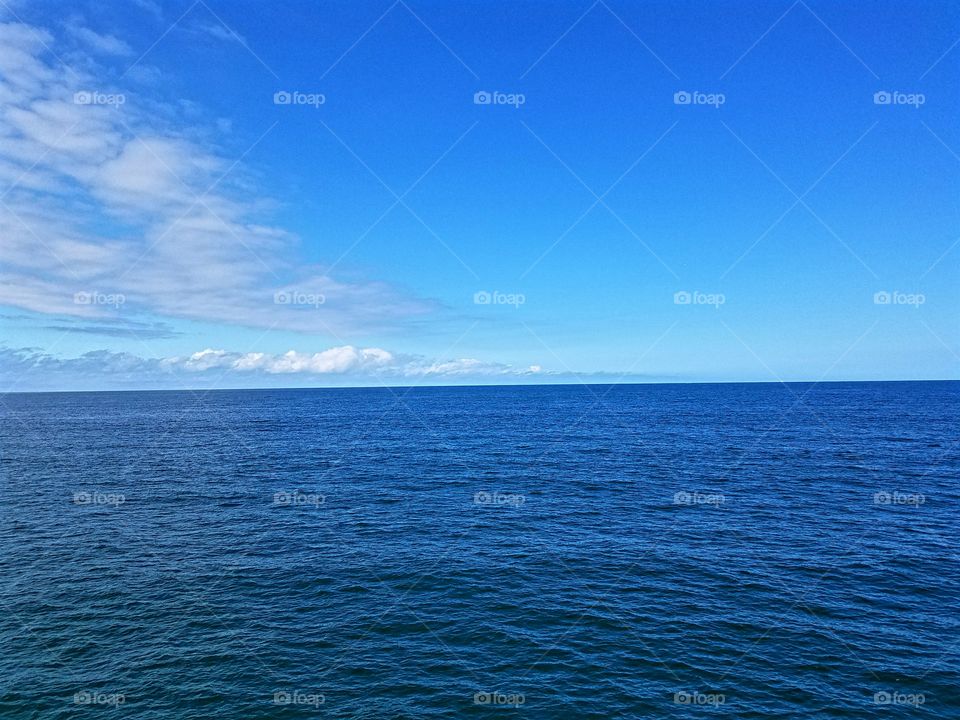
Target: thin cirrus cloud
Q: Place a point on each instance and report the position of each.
(118, 329)
(100, 43)
(99, 195)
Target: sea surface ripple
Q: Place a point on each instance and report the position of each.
(741, 550)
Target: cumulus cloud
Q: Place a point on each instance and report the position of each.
(103, 193)
(32, 368)
(335, 360)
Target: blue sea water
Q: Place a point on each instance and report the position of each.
(687, 551)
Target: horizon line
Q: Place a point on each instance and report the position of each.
(480, 385)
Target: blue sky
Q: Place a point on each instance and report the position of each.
(167, 222)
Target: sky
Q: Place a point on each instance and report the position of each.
(285, 194)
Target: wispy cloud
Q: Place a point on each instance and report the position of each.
(101, 194)
(151, 7)
(99, 43)
(217, 31)
(118, 329)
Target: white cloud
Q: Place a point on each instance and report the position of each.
(28, 368)
(105, 44)
(221, 32)
(335, 360)
(105, 196)
(144, 74)
(151, 7)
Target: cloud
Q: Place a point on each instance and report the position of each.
(335, 360)
(103, 44)
(32, 368)
(144, 74)
(151, 7)
(118, 328)
(219, 31)
(103, 193)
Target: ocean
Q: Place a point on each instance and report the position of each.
(602, 551)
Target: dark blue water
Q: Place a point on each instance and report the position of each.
(550, 552)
